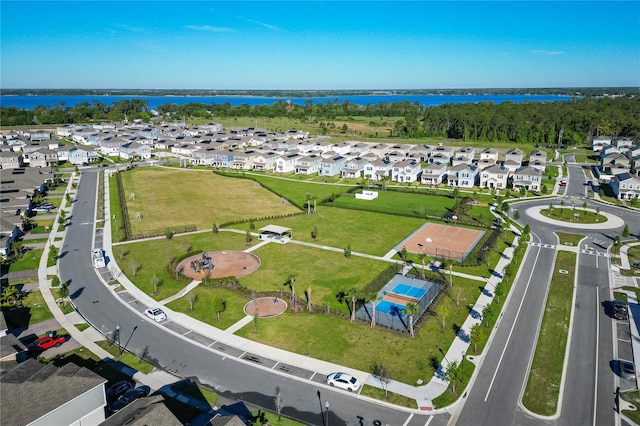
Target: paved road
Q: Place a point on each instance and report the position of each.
(590, 383)
(240, 379)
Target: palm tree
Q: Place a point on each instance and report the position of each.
(422, 256)
(411, 310)
(354, 293)
(308, 200)
(64, 293)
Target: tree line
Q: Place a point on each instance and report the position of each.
(570, 122)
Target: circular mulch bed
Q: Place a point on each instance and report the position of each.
(265, 307)
(225, 263)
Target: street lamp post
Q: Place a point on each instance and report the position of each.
(118, 337)
(326, 405)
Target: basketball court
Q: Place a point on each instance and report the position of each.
(442, 241)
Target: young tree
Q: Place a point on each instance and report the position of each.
(55, 281)
(476, 334)
(625, 231)
(134, 267)
(219, 305)
(442, 312)
(422, 256)
(314, 233)
(499, 292)
(347, 251)
(155, 281)
(214, 229)
(411, 310)
(278, 402)
(308, 203)
(454, 375)
(248, 238)
(383, 373)
(488, 314)
(504, 207)
(192, 298)
(516, 215)
(561, 206)
(64, 293)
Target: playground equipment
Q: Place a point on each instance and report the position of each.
(203, 265)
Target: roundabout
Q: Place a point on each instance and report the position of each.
(611, 223)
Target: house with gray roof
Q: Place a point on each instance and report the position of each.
(489, 154)
(80, 155)
(599, 142)
(463, 176)
(625, 186)
(354, 168)
(527, 177)
(63, 396)
(377, 170)
(406, 171)
(494, 177)
(332, 166)
(10, 160)
(43, 158)
(265, 161)
(433, 174)
(308, 164)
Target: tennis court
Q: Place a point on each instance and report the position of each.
(409, 290)
(389, 307)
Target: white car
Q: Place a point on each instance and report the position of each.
(344, 381)
(156, 314)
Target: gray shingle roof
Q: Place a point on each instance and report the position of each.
(50, 386)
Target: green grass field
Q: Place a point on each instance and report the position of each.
(543, 384)
(400, 203)
(29, 260)
(166, 198)
(567, 214)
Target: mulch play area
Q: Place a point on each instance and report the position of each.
(218, 264)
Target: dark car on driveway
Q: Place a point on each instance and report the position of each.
(116, 391)
(620, 310)
(129, 396)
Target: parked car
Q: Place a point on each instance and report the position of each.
(118, 389)
(343, 381)
(49, 341)
(41, 209)
(620, 310)
(563, 182)
(129, 396)
(627, 369)
(156, 314)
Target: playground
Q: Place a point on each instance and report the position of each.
(218, 264)
(442, 241)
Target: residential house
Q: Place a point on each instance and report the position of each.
(467, 152)
(527, 177)
(489, 154)
(625, 186)
(516, 155)
(10, 160)
(81, 155)
(420, 153)
(111, 146)
(463, 176)
(406, 171)
(243, 160)
(10, 231)
(377, 170)
(332, 166)
(287, 163)
(484, 163)
(615, 163)
(222, 159)
(441, 154)
(135, 150)
(623, 144)
(460, 159)
(494, 177)
(354, 168)
(43, 158)
(265, 161)
(599, 142)
(433, 174)
(69, 395)
(308, 164)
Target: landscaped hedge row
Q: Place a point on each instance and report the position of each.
(257, 219)
(161, 232)
(123, 208)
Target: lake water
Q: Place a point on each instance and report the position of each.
(30, 102)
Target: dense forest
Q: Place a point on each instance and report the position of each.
(532, 122)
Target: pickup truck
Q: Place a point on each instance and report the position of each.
(46, 342)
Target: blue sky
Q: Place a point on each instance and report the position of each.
(319, 44)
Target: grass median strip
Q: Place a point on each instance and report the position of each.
(545, 376)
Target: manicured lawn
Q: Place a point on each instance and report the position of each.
(203, 308)
(126, 357)
(42, 226)
(152, 258)
(400, 203)
(566, 214)
(29, 260)
(356, 344)
(117, 229)
(327, 272)
(634, 398)
(168, 198)
(371, 233)
(449, 397)
(571, 239)
(391, 398)
(33, 310)
(295, 187)
(543, 385)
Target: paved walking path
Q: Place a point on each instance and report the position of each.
(181, 293)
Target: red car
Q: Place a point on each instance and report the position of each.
(46, 342)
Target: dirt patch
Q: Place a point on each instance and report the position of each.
(225, 263)
(265, 307)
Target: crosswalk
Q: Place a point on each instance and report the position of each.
(585, 250)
